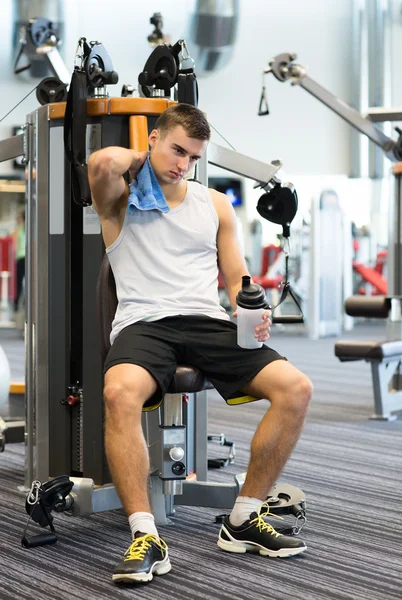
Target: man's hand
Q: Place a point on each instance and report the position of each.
(138, 160)
(262, 331)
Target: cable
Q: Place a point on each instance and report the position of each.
(14, 107)
(228, 143)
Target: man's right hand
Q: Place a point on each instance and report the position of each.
(106, 170)
(138, 160)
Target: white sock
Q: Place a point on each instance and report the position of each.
(143, 522)
(243, 508)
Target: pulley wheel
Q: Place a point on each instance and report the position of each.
(41, 31)
(52, 90)
(283, 497)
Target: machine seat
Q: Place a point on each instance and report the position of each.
(186, 379)
(368, 350)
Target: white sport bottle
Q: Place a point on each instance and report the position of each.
(251, 304)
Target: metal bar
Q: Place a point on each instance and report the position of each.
(41, 314)
(376, 77)
(359, 66)
(379, 114)
(395, 239)
(382, 395)
(12, 147)
(173, 409)
(242, 164)
(60, 415)
(58, 66)
(201, 172)
(30, 390)
(201, 435)
(350, 115)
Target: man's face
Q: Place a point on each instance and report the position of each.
(174, 155)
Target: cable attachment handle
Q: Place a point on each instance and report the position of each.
(41, 500)
(287, 289)
(263, 106)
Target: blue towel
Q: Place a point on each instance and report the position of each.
(145, 191)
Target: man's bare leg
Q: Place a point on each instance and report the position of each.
(289, 392)
(127, 388)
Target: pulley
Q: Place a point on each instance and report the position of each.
(279, 205)
(51, 89)
(99, 67)
(41, 500)
(161, 69)
(284, 499)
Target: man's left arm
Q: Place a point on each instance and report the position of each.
(231, 262)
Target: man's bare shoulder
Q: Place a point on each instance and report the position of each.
(221, 202)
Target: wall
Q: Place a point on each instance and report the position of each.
(307, 136)
(299, 130)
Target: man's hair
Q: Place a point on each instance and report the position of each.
(187, 116)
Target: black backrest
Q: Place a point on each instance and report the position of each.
(106, 304)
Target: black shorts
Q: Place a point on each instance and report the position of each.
(207, 344)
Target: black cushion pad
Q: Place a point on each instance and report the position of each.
(367, 350)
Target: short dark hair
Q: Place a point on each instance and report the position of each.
(187, 116)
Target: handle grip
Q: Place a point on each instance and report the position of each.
(287, 319)
(39, 540)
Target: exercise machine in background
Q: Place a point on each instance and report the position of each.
(385, 357)
(39, 40)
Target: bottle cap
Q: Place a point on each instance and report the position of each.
(251, 295)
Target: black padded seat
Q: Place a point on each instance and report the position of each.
(186, 379)
(376, 307)
(368, 350)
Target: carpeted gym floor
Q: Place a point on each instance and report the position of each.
(348, 466)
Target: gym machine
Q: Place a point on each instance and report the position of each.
(40, 38)
(385, 357)
(64, 382)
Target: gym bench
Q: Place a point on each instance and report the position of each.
(385, 357)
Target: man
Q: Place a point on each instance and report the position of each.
(166, 266)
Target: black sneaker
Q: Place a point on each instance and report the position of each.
(148, 554)
(256, 535)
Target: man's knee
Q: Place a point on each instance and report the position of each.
(122, 402)
(119, 395)
(303, 391)
(127, 388)
(294, 393)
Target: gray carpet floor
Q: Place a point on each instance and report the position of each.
(348, 466)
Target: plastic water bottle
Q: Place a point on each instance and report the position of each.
(251, 304)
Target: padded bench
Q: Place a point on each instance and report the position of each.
(385, 358)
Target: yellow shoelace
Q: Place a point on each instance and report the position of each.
(140, 545)
(263, 525)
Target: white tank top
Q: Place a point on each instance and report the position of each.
(166, 264)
